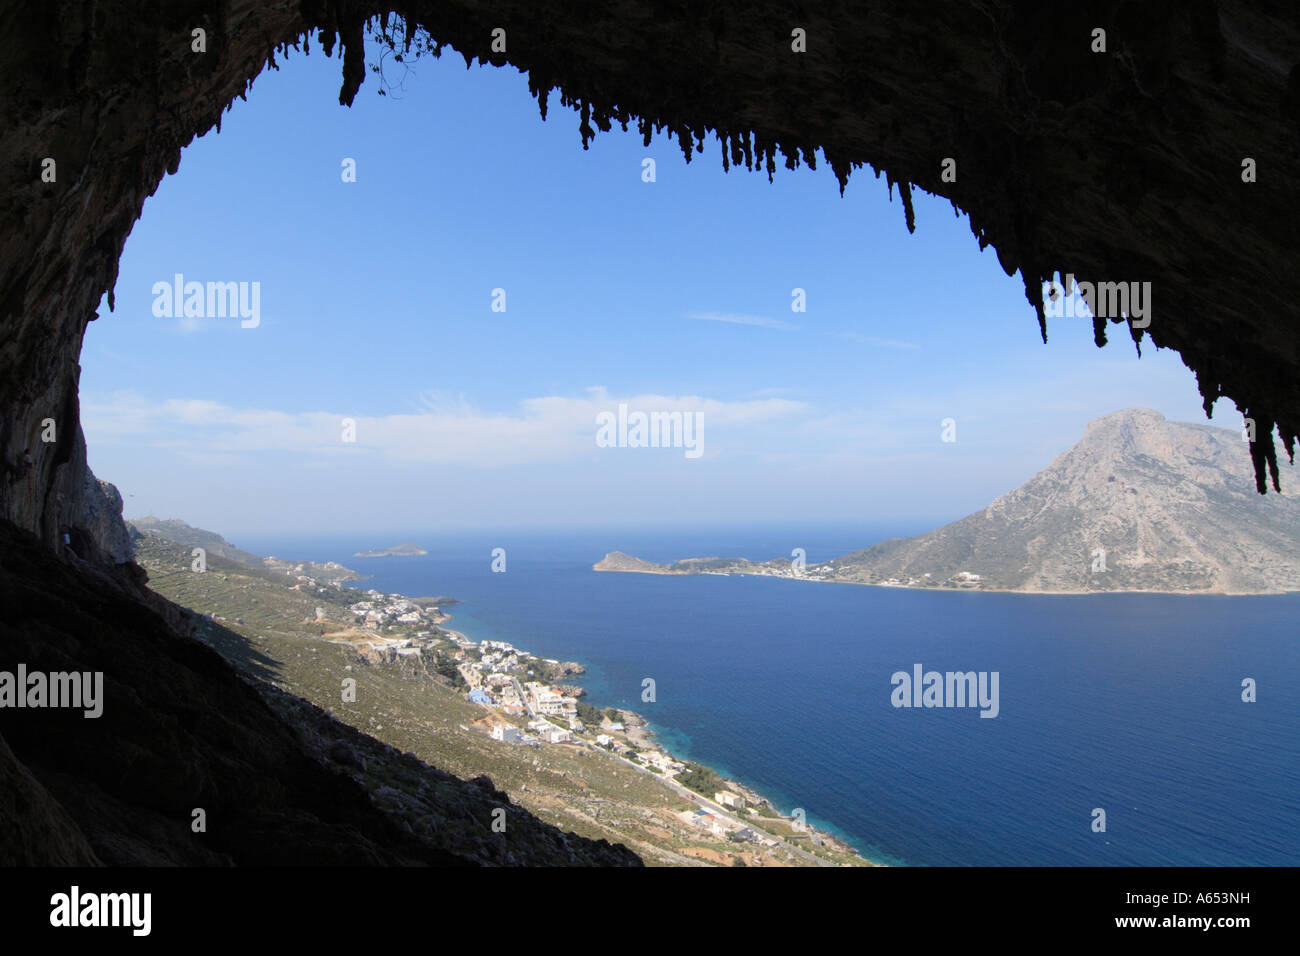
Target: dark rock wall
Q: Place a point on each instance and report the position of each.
(180, 730)
(110, 92)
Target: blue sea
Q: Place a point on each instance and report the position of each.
(1128, 703)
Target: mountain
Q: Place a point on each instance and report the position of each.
(618, 561)
(217, 547)
(1138, 504)
(182, 533)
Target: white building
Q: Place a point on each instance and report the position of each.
(554, 735)
(658, 759)
(544, 700)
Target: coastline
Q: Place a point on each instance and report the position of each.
(640, 733)
(941, 590)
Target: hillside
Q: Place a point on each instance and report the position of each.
(182, 533)
(308, 573)
(1138, 504)
(410, 715)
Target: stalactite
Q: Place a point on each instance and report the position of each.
(353, 41)
(1263, 453)
(840, 169)
(1034, 293)
(584, 128)
(905, 193)
(684, 140)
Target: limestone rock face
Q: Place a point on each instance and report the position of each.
(100, 515)
(109, 94)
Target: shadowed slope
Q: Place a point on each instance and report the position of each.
(181, 730)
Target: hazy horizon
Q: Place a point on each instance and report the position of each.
(390, 536)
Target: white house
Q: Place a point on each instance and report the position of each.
(507, 733)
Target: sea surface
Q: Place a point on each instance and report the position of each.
(1128, 703)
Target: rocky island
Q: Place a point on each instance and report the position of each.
(404, 550)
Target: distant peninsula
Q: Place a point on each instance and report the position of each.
(217, 550)
(404, 550)
(1138, 504)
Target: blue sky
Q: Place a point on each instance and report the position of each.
(375, 305)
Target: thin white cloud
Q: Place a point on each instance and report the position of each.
(737, 318)
(443, 431)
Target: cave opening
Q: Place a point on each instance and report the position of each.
(446, 249)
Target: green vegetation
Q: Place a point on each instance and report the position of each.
(701, 779)
(588, 714)
(444, 666)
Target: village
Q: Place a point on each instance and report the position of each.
(502, 679)
(525, 705)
